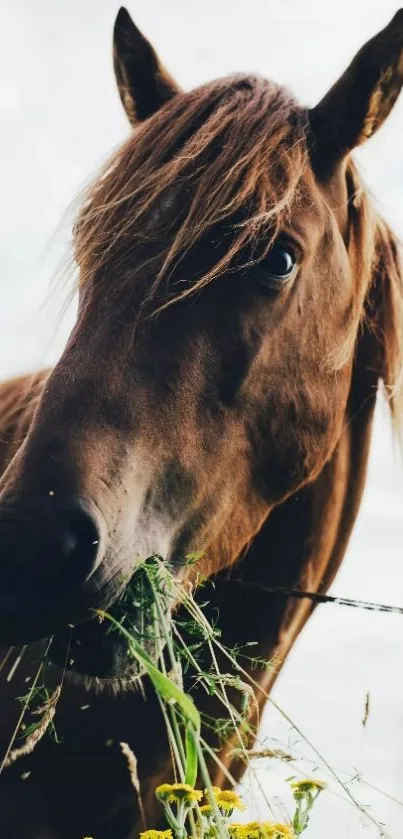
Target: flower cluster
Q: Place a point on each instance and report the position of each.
(178, 800)
(227, 801)
(214, 816)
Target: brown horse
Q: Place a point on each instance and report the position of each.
(240, 301)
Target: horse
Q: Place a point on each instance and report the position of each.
(240, 305)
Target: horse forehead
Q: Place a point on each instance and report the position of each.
(312, 204)
(310, 199)
(163, 208)
(311, 208)
(334, 193)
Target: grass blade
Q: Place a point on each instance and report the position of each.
(170, 693)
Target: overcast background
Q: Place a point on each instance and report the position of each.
(59, 117)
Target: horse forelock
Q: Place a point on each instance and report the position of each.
(235, 149)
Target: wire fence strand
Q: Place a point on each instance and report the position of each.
(317, 597)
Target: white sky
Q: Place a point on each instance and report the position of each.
(59, 117)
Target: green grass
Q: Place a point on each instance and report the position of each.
(165, 648)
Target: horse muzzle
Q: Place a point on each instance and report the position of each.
(51, 570)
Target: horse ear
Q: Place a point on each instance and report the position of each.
(357, 105)
(143, 83)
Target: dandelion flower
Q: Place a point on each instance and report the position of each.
(175, 793)
(206, 809)
(156, 834)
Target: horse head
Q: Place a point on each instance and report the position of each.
(226, 261)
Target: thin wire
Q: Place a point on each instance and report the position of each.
(316, 597)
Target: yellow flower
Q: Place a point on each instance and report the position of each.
(308, 785)
(266, 830)
(226, 799)
(252, 830)
(175, 793)
(260, 830)
(156, 834)
(215, 790)
(282, 831)
(243, 831)
(163, 791)
(206, 809)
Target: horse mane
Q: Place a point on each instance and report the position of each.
(376, 254)
(238, 149)
(388, 322)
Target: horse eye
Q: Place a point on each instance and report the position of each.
(278, 266)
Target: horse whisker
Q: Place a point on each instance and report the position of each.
(6, 657)
(16, 664)
(66, 657)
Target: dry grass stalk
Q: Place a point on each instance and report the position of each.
(279, 754)
(134, 776)
(48, 710)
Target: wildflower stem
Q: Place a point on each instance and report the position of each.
(172, 741)
(219, 762)
(176, 735)
(172, 726)
(222, 832)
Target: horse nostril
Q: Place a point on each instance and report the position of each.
(79, 542)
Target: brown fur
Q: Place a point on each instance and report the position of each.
(191, 405)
